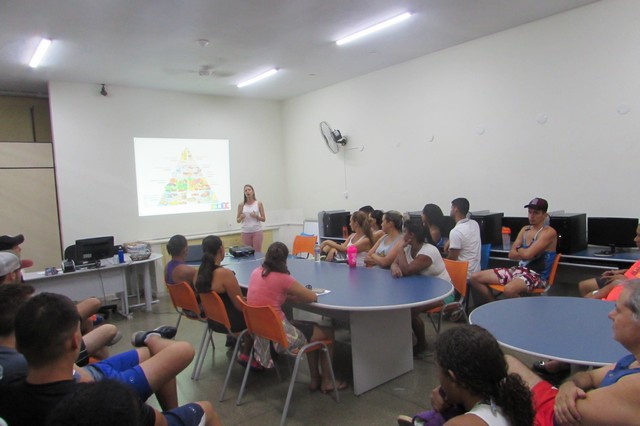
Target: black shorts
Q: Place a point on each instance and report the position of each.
(602, 281)
(306, 327)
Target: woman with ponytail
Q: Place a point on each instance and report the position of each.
(475, 387)
(212, 276)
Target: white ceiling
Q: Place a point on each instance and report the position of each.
(152, 43)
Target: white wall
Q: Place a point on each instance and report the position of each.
(95, 162)
(576, 68)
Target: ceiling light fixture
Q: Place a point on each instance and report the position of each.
(373, 29)
(258, 78)
(40, 52)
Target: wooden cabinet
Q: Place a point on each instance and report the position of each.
(27, 179)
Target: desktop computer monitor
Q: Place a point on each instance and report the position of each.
(490, 227)
(89, 250)
(614, 232)
(332, 224)
(572, 231)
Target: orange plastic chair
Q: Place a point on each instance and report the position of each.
(458, 273)
(304, 244)
(215, 310)
(263, 321)
(552, 277)
(184, 299)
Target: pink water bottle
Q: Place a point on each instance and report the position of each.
(352, 254)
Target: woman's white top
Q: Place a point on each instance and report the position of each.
(250, 223)
(437, 268)
(496, 418)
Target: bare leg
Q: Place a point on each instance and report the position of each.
(515, 366)
(515, 288)
(87, 308)
(167, 359)
(480, 282)
(257, 241)
(314, 358)
(97, 340)
(417, 325)
(212, 418)
(587, 286)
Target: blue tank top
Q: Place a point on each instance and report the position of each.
(541, 264)
(386, 244)
(169, 272)
(620, 370)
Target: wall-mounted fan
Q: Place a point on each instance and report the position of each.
(333, 138)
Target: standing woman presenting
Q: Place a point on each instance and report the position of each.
(250, 214)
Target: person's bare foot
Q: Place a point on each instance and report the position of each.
(341, 384)
(314, 384)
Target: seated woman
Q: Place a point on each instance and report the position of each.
(271, 285)
(361, 238)
(214, 277)
(419, 256)
(375, 223)
(476, 388)
(177, 270)
(384, 252)
(432, 218)
(592, 285)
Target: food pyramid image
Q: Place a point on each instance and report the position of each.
(187, 184)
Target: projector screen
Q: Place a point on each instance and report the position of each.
(182, 175)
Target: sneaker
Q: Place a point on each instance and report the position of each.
(404, 420)
(242, 360)
(231, 341)
(165, 331)
(97, 320)
(115, 339)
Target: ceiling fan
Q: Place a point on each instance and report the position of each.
(333, 138)
(203, 71)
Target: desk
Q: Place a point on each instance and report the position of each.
(570, 329)
(99, 282)
(587, 258)
(377, 306)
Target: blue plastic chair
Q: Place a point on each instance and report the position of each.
(485, 253)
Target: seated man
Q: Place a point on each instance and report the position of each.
(12, 364)
(592, 285)
(609, 395)
(94, 341)
(464, 239)
(10, 243)
(47, 333)
(534, 248)
(121, 367)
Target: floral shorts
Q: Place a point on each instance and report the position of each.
(531, 278)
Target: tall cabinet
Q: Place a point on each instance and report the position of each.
(28, 199)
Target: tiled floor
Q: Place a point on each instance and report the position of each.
(264, 397)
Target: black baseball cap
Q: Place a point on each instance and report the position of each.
(538, 204)
(7, 242)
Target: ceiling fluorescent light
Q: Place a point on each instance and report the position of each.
(40, 52)
(258, 78)
(375, 28)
